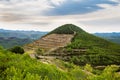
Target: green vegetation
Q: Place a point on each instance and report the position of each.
(66, 29)
(94, 50)
(17, 50)
(22, 67)
(40, 51)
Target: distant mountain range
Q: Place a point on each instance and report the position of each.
(13, 41)
(114, 37)
(10, 38)
(21, 34)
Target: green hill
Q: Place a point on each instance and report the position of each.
(87, 48)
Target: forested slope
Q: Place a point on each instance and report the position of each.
(88, 48)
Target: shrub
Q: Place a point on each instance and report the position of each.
(88, 68)
(17, 49)
(40, 51)
(69, 49)
(109, 73)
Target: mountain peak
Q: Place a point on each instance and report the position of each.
(67, 29)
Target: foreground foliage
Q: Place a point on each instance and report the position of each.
(22, 67)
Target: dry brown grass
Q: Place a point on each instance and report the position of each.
(50, 42)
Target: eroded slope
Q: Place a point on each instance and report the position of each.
(50, 42)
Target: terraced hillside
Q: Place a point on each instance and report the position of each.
(50, 42)
(78, 47)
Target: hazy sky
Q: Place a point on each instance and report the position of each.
(45, 15)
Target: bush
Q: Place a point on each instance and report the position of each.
(40, 51)
(109, 73)
(69, 49)
(17, 49)
(88, 68)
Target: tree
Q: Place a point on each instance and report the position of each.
(17, 49)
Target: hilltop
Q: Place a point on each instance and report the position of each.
(67, 29)
(81, 47)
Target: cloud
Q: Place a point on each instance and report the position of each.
(115, 1)
(56, 2)
(10, 10)
(91, 15)
(102, 25)
(69, 7)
